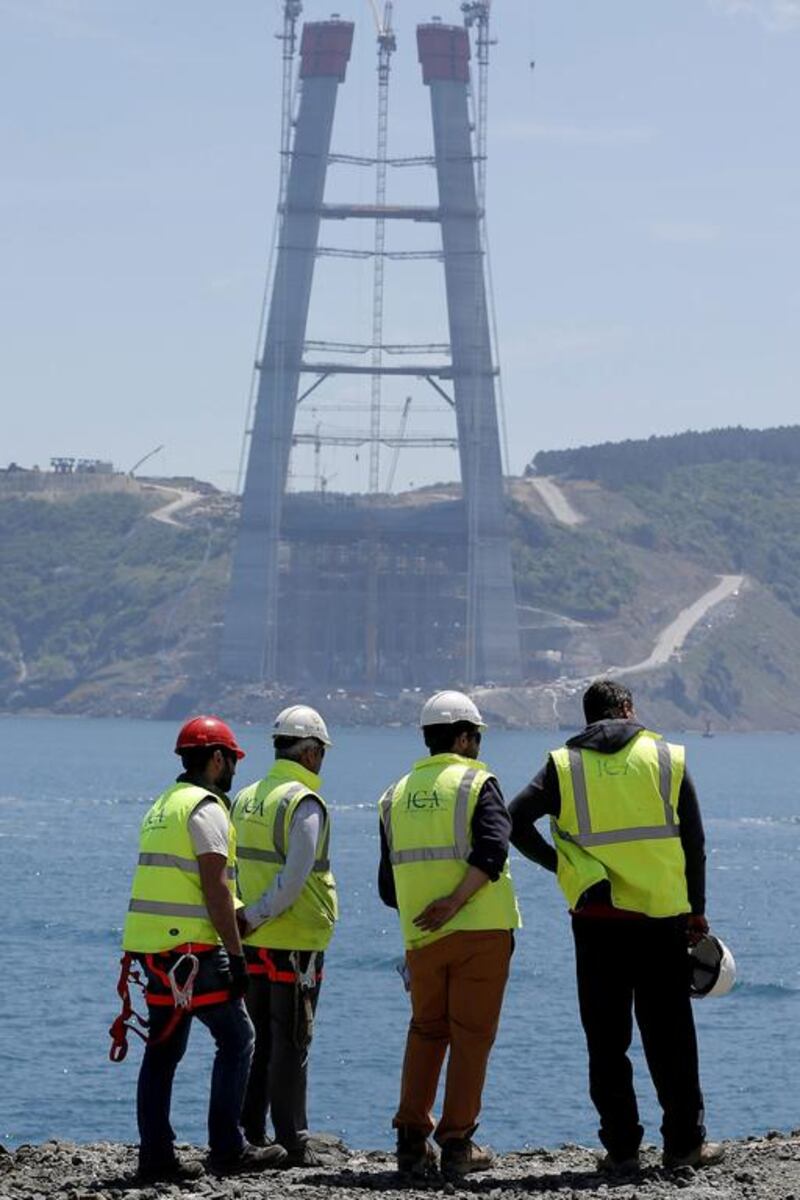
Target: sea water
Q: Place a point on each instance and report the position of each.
(71, 799)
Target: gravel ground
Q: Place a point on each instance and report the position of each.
(755, 1168)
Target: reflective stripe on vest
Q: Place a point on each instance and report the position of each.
(641, 833)
(175, 860)
(426, 820)
(278, 855)
(263, 814)
(167, 906)
(618, 825)
(457, 852)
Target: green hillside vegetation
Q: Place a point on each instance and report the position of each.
(732, 517)
(582, 575)
(88, 583)
(649, 460)
(99, 603)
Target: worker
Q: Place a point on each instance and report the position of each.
(444, 833)
(285, 882)
(181, 925)
(629, 855)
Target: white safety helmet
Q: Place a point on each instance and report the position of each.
(713, 969)
(448, 708)
(300, 721)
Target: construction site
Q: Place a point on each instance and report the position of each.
(359, 590)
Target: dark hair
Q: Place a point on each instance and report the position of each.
(284, 745)
(195, 759)
(605, 699)
(440, 739)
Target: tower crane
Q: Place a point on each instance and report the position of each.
(387, 44)
(292, 11)
(400, 437)
(477, 16)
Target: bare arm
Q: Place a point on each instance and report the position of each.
(439, 912)
(219, 900)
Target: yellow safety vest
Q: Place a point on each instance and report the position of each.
(262, 816)
(167, 906)
(619, 822)
(427, 820)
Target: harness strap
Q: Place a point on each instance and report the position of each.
(266, 966)
(129, 1021)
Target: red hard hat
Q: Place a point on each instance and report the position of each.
(207, 731)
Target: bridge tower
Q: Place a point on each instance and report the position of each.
(258, 612)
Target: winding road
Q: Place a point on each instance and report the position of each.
(182, 499)
(671, 639)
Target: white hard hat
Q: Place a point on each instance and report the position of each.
(447, 708)
(300, 721)
(713, 968)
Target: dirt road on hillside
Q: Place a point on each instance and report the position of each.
(673, 637)
(182, 499)
(556, 501)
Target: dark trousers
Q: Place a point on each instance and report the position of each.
(626, 967)
(279, 1073)
(232, 1031)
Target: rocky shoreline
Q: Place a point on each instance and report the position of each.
(755, 1168)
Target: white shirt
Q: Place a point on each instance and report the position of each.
(301, 853)
(208, 828)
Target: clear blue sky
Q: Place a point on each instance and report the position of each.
(644, 216)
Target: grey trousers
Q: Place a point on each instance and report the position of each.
(278, 1078)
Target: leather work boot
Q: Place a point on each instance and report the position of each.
(461, 1156)
(415, 1155)
(172, 1170)
(618, 1166)
(707, 1154)
(249, 1159)
(303, 1155)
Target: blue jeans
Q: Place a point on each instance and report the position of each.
(232, 1031)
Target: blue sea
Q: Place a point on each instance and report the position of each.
(71, 799)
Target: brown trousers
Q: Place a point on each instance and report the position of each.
(457, 986)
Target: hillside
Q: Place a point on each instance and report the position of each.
(110, 601)
(91, 587)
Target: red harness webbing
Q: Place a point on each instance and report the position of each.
(130, 1021)
(266, 966)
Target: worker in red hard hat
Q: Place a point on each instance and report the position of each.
(181, 926)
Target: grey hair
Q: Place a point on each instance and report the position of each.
(293, 748)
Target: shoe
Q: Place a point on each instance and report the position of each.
(461, 1156)
(303, 1155)
(257, 1139)
(171, 1171)
(415, 1155)
(609, 1165)
(249, 1159)
(707, 1154)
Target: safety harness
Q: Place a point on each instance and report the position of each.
(306, 981)
(179, 996)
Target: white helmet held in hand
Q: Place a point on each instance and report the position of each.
(713, 969)
(300, 721)
(448, 708)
